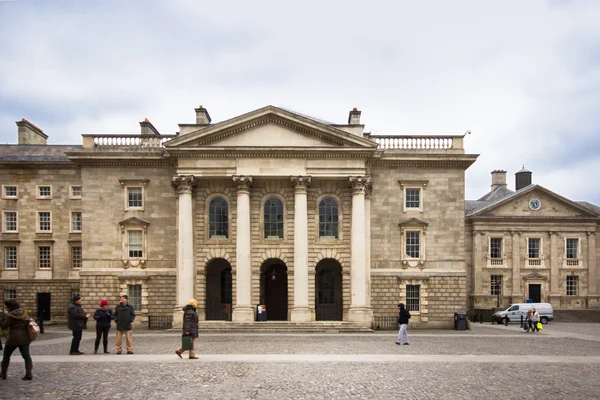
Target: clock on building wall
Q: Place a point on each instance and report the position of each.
(535, 204)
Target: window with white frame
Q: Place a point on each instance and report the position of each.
(413, 244)
(328, 218)
(413, 298)
(534, 248)
(135, 296)
(135, 243)
(10, 294)
(496, 285)
(76, 258)
(218, 218)
(76, 221)
(9, 191)
(572, 248)
(496, 248)
(273, 218)
(75, 192)
(11, 221)
(44, 257)
(44, 221)
(44, 192)
(573, 285)
(10, 257)
(135, 198)
(412, 198)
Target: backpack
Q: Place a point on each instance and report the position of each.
(33, 330)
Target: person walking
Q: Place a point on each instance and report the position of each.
(403, 317)
(77, 322)
(103, 316)
(190, 327)
(16, 321)
(528, 321)
(535, 318)
(124, 315)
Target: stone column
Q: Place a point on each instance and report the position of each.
(359, 311)
(593, 298)
(516, 266)
(243, 311)
(186, 278)
(555, 261)
(478, 265)
(368, 192)
(301, 311)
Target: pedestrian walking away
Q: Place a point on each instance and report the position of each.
(535, 318)
(124, 316)
(77, 322)
(403, 317)
(528, 321)
(190, 328)
(16, 321)
(103, 316)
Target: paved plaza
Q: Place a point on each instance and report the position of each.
(488, 361)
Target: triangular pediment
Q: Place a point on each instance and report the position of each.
(270, 127)
(535, 276)
(535, 201)
(134, 222)
(413, 223)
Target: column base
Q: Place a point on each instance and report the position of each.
(301, 314)
(361, 315)
(243, 314)
(177, 318)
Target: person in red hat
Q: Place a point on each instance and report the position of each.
(103, 316)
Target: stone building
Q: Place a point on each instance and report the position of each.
(317, 221)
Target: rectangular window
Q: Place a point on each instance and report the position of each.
(75, 192)
(76, 257)
(10, 294)
(135, 243)
(413, 298)
(45, 221)
(135, 296)
(533, 247)
(10, 192)
(10, 221)
(10, 257)
(413, 198)
(44, 192)
(572, 285)
(496, 285)
(76, 221)
(495, 247)
(572, 249)
(413, 244)
(44, 257)
(134, 197)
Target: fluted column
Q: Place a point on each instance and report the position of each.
(592, 275)
(301, 311)
(516, 266)
(368, 192)
(478, 265)
(359, 311)
(243, 311)
(185, 245)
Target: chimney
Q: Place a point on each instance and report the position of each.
(522, 179)
(354, 117)
(202, 116)
(29, 133)
(148, 128)
(498, 178)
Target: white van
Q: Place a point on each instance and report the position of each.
(514, 311)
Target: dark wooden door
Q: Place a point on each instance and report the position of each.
(43, 306)
(276, 293)
(535, 292)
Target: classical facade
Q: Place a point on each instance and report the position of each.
(314, 220)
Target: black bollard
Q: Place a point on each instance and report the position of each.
(481, 317)
(521, 321)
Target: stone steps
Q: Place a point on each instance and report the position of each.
(281, 326)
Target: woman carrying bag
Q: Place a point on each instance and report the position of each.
(190, 329)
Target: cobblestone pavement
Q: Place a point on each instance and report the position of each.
(562, 361)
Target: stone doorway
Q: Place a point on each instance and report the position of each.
(218, 290)
(274, 289)
(328, 291)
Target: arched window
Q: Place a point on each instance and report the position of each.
(226, 286)
(218, 215)
(273, 218)
(328, 218)
(326, 289)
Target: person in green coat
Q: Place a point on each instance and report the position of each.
(16, 321)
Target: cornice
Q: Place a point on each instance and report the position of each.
(129, 163)
(520, 220)
(420, 164)
(223, 152)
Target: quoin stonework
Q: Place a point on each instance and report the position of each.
(273, 210)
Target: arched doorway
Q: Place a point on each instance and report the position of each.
(218, 290)
(274, 289)
(328, 290)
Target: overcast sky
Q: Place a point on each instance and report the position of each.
(522, 76)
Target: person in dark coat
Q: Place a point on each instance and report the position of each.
(190, 327)
(77, 322)
(103, 316)
(403, 317)
(124, 315)
(16, 322)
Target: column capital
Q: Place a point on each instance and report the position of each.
(359, 183)
(368, 190)
(184, 183)
(301, 183)
(242, 183)
(591, 233)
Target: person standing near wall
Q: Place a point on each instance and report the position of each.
(16, 321)
(77, 322)
(124, 315)
(403, 317)
(103, 316)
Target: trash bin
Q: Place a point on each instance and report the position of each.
(261, 312)
(460, 321)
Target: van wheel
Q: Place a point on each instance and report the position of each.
(544, 320)
(504, 320)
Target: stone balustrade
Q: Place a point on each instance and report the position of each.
(418, 142)
(126, 141)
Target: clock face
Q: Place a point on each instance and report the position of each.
(535, 204)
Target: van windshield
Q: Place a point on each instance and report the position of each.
(513, 308)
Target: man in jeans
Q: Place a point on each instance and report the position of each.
(124, 315)
(403, 317)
